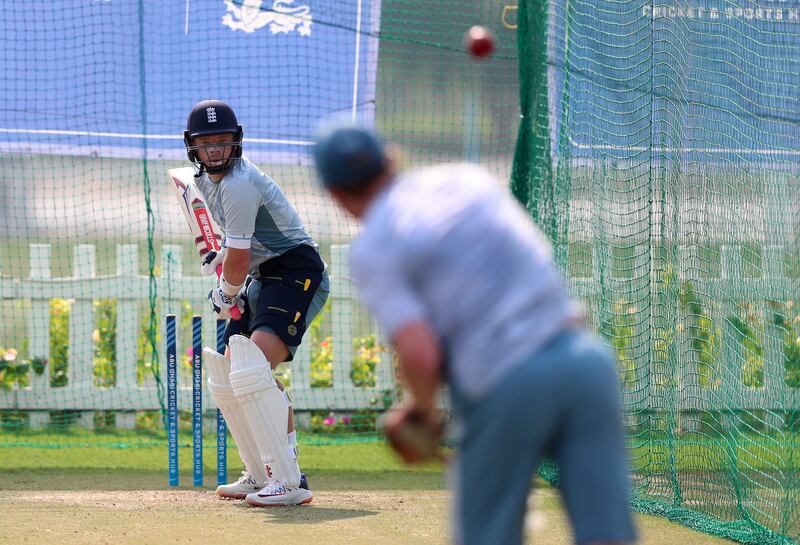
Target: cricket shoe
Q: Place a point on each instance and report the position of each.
(241, 488)
(275, 494)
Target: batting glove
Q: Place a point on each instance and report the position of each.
(221, 303)
(211, 261)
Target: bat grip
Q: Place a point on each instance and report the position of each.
(235, 314)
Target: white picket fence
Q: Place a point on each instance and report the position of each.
(646, 395)
(129, 288)
(720, 293)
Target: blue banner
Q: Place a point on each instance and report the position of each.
(707, 80)
(115, 78)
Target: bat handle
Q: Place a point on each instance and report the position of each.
(235, 314)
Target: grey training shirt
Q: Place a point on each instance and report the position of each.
(449, 246)
(254, 213)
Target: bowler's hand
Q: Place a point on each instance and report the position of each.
(416, 436)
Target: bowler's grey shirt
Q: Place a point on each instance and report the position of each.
(254, 213)
(447, 245)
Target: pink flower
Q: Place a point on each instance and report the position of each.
(329, 421)
(189, 352)
(345, 420)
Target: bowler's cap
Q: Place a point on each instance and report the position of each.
(348, 156)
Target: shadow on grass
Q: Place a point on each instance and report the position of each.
(24, 478)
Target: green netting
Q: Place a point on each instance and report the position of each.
(95, 252)
(659, 151)
(657, 148)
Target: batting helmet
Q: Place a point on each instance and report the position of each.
(212, 117)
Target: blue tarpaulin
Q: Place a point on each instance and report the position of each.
(114, 78)
(697, 80)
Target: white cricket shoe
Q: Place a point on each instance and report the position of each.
(241, 488)
(275, 494)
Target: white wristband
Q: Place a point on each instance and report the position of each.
(231, 290)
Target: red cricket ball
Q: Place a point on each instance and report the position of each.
(479, 42)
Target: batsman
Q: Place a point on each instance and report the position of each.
(273, 273)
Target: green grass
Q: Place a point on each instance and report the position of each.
(693, 452)
(697, 452)
(131, 460)
(98, 487)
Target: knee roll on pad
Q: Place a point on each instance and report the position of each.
(265, 408)
(219, 386)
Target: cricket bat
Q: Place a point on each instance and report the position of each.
(196, 213)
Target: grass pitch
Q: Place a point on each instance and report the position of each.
(95, 493)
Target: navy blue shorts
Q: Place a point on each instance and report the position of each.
(289, 293)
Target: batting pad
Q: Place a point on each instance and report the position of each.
(218, 368)
(265, 408)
